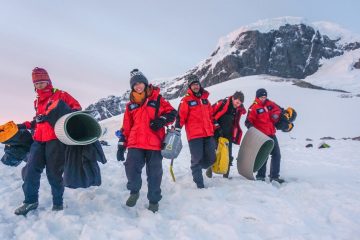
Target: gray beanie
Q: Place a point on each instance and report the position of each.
(192, 78)
(137, 77)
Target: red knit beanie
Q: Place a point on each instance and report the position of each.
(40, 75)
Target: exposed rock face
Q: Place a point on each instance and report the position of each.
(108, 107)
(292, 51)
(357, 64)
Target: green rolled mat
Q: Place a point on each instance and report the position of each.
(78, 128)
(254, 151)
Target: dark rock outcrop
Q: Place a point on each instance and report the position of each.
(108, 107)
(292, 51)
(357, 64)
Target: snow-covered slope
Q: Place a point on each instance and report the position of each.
(339, 73)
(320, 201)
(320, 113)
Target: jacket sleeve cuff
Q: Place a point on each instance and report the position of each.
(27, 124)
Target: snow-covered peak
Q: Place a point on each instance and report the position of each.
(335, 31)
(332, 30)
(264, 26)
(237, 43)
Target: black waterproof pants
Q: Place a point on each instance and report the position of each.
(135, 161)
(202, 152)
(231, 158)
(275, 162)
(51, 155)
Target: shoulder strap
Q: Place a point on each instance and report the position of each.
(157, 105)
(221, 106)
(254, 103)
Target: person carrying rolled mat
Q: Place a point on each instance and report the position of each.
(46, 151)
(263, 114)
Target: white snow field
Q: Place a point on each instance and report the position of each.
(320, 201)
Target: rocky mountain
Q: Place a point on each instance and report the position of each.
(109, 107)
(284, 47)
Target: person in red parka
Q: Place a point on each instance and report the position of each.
(195, 113)
(46, 151)
(145, 117)
(227, 112)
(263, 114)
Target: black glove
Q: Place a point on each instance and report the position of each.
(158, 123)
(40, 118)
(218, 133)
(21, 126)
(248, 124)
(120, 152)
(284, 125)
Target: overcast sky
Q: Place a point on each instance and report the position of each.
(89, 47)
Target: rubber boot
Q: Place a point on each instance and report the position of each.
(58, 207)
(279, 180)
(208, 172)
(25, 208)
(154, 207)
(131, 201)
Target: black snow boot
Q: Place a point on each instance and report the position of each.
(279, 180)
(200, 185)
(258, 178)
(25, 208)
(154, 207)
(58, 207)
(208, 172)
(226, 175)
(131, 201)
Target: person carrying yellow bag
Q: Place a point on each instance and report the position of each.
(227, 113)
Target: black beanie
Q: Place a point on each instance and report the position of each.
(137, 77)
(192, 79)
(239, 95)
(261, 92)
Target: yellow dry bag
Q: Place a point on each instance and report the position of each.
(7, 131)
(221, 164)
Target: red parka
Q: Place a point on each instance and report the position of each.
(221, 107)
(196, 114)
(136, 125)
(264, 115)
(43, 131)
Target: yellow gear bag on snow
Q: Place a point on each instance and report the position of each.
(221, 164)
(7, 131)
